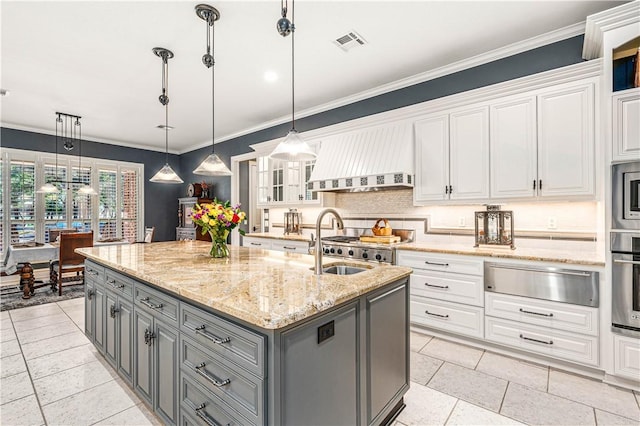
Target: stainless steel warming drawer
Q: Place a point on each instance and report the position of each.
(573, 286)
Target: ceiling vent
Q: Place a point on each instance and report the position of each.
(350, 40)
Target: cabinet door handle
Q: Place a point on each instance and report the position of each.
(437, 286)
(215, 339)
(148, 337)
(536, 313)
(450, 189)
(288, 248)
(436, 263)
(534, 184)
(550, 342)
(436, 315)
(90, 294)
(446, 189)
(205, 417)
(540, 185)
(113, 310)
(210, 377)
(145, 302)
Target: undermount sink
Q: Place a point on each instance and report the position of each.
(343, 270)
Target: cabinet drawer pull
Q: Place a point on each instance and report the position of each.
(215, 339)
(436, 263)
(205, 417)
(113, 310)
(211, 378)
(256, 244)
(445, 287)
(550, 342)
(91, 271)
(288, 248)
(145, 302)
(536, 313)
(148, 337)
(113, 284)
(436, 315)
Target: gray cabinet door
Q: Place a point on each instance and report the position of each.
(110, 328)
(99, 316)
(320, 380)
(125, 340)
(387, 349)
(143, 378)
(89, 310)
(166, 372)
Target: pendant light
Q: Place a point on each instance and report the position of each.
(212, 165)
(166, 173)
(293, 147)
(50, 188)
(85, 189)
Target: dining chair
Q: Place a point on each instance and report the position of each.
(55, 233)
(68, 260)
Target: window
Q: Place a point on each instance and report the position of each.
(55, 205)
(107, 204)
(81, 205)
(129, 209)
(22, 219)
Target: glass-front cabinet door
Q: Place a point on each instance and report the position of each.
(294, 183)
(310, 197)
(277, 181)
(263, 186)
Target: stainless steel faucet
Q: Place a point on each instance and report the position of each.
(318, 249)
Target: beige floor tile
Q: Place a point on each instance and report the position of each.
(6, 322)
(425, 406)
(540, 408)
(88, 407)
(36, 311)
(4, 316)
(60, 361)
(68, 382)
(423, 367)
(418, 340)
(71, 303)
(396, 423)
(54, 344)
(9, 348)
(452, 352)
(137, 415)
(46, 332)
(7, 334)
(15, 414)
(605, 419)
(465, 414)
(594, 393)
(513, 370)
(469, 385)
(15, 387)
(11, 365)
(30, 324)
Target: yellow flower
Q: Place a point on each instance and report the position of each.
(212, 222)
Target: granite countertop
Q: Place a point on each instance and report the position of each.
(276, 236)
(590, 258)
(265, 288)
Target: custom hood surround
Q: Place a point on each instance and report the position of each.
(365, 160)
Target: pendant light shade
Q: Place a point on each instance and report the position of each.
(293, 147)
(212, 165)
(166, 173)
(48, 188)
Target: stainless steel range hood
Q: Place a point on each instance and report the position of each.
(365, 160)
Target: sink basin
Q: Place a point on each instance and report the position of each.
(343, 270)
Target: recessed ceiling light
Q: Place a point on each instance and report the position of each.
(270, 76)
(162, 126)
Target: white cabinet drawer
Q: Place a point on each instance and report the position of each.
(555, 315)
(467, 289)
(262, 243)
(627, 357)
(441, 263)
(555, 343)
(290, 246)
(462, 319)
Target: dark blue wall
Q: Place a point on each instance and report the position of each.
(160, 200)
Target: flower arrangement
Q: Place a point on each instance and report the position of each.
(218, 219)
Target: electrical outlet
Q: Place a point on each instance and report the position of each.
(461, 221)
(552, 223)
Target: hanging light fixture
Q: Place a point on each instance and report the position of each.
(212, 165)
(293, 147)
(85, 189)
(50, 188)
(166, 173)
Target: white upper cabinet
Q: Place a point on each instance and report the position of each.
(432, 159)
(626, 125)
(514, 148)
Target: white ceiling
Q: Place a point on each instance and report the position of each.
(94, 59)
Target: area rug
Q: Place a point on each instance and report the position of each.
(42, 295)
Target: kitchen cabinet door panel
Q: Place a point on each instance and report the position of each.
(469, 154)
(432, 159)
(166, 371)
(626, 125)
(143, 378)
(566, 161)
(125, 340)
(110, 329)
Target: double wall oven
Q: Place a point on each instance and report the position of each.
(625, 248)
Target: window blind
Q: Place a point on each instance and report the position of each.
(129, 210)
(22, 221)
(107, 227)
(81, 204)
(55, 205)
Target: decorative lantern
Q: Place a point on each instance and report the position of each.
(292, 220)
(494, 227)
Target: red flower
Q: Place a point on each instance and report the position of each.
(235, 218)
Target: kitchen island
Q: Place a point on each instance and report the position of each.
(253, 339)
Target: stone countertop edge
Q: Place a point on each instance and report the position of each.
(273, 236)
(267, 289)
(587, 258)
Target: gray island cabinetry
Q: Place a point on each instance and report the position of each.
(250, 340)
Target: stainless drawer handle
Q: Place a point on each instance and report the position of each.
(215, 339)
(436, 263)
(91, 271)
(205, 417)
(630, 262)
(445, 287)
(550, 342)
(113, 284)
(256, 244)
(211, 378)
(536, 313)
(145, 302)
(521, 268)
(436, 315)
(288, 248)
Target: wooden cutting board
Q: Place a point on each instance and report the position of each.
(380, 239)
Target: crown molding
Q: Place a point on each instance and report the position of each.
(599, 23)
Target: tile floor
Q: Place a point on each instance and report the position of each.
(51, 374)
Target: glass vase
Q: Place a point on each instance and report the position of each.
(219, 247)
